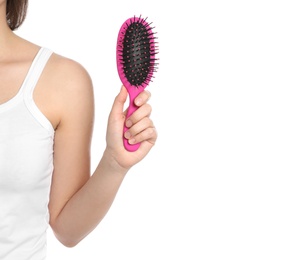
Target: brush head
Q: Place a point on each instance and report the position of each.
(136, 50)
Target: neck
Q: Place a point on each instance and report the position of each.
(6, 34)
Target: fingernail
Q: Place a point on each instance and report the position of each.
(127, 135)
(132, 141)
(129, 123)
(138, 101)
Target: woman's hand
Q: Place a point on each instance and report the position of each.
(140, 130)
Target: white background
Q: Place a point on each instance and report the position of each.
(210, 188)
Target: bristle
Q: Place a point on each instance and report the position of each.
(137, 50)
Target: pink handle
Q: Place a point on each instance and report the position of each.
(133, 92)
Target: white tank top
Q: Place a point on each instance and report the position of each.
(26, 166)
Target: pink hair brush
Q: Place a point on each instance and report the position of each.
(135, 55)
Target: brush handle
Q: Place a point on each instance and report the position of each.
(133, 92)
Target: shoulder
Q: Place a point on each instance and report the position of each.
(68, 78)
(67, 73)
(66, 89)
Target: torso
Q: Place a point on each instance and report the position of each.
(26, 159)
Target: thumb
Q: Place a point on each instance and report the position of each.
(119, 101)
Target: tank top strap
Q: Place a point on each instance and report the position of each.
(35, 71)
(29, 85)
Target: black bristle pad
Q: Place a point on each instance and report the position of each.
(137, 53)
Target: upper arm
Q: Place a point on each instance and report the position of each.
(72, 141)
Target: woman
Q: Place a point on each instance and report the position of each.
(46, 124)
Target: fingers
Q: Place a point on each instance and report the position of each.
(143, 130)
(139, 114)
(143, 110)
(140, 126)
(142, 98)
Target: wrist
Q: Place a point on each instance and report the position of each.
(110, 160)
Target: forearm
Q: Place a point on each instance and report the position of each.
(89, 205)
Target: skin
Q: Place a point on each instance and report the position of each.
(79, 199)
